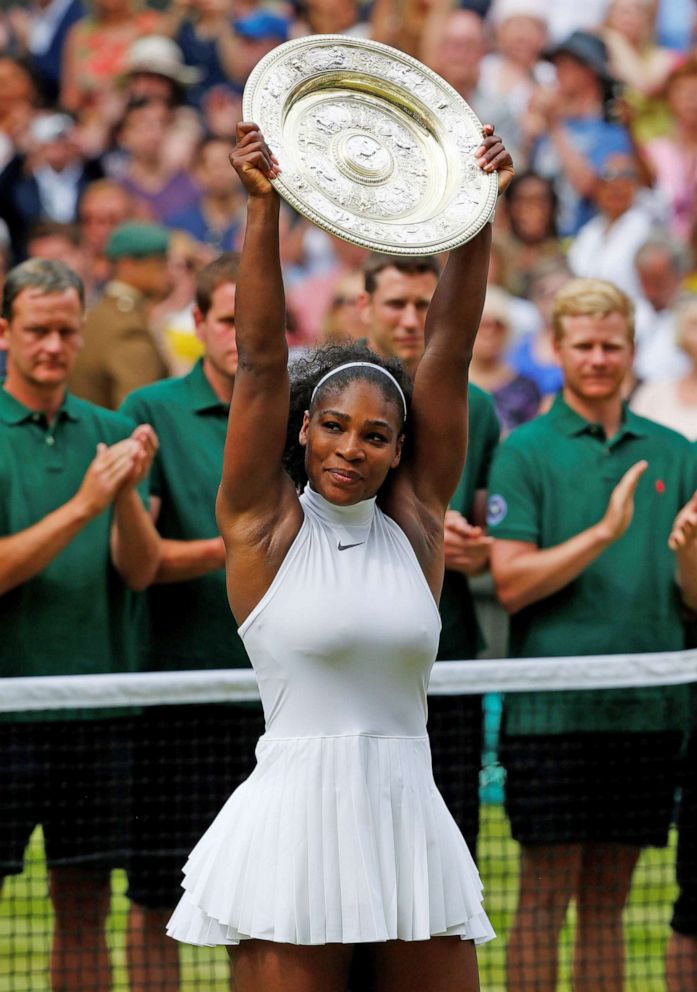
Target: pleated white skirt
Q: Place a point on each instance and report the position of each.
(332, 840)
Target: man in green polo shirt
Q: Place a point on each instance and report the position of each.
(398, 290)
(594, 518)
(191, 758)
(74, 536)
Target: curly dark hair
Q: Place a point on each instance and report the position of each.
(306, 372)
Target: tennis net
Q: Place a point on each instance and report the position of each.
(106, 781)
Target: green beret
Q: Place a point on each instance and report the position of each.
(137, 240)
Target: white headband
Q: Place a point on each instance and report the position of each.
(361, 365)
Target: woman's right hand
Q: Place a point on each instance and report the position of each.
(253, 160)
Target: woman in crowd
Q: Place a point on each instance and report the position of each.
(95, 51)
(158, 185)
(531, 206)
(340, 837)
(673, 157)
(533, 355)
(673, 402)
(637, 61)
(516, 396)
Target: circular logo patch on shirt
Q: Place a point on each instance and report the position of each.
(496, 509)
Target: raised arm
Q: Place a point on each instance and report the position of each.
(257, 507)
(439, 405)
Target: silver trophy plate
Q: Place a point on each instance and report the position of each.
(375, 148)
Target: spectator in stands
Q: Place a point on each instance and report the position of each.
(397, 294)
(673, 157)
(580, 499)
(17, 102)
(673, 402)
(198, 36)
(515, 66)
(637, 60)
(153, 71)
(342, 321)
(50, 178)
(215, 217)
(523, 315)
(172, 319)
(120, 352)
(534, 355)
(455, 46)
(17, 99)
(567, 16)
(156, 182)
(74, 536)
(103, 206)
(530, 208)
(333, 17)
(310, 296)
(48, 27)
(57, 242)
(222, 111)
(190, 628)
(606, 245)
(681, 956)
(516, 397)
(95, 51)
(661, 263)
(254, 35)
(568, 128)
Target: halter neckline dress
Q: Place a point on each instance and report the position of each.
(339, 835)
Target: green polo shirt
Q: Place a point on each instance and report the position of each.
(191, 626)
(460, 635)
(552, 479)
(75, 616)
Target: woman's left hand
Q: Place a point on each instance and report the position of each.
(492, 156)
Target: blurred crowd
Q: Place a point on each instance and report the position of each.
(117, 110)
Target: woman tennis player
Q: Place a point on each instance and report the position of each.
(339, 837)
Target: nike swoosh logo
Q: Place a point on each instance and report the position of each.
(345, 547)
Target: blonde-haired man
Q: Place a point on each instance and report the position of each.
(594, 516)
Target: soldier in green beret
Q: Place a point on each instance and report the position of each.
(121, 352)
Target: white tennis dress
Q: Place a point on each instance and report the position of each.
(339, 835)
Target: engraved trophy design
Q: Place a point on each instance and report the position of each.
(375, 148)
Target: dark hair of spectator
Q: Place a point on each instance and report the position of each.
(306, 372)
(223, 269)
(410, 265)
(54, 229)
(42, 275)
(515, 189)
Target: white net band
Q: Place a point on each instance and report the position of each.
(449, 678)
